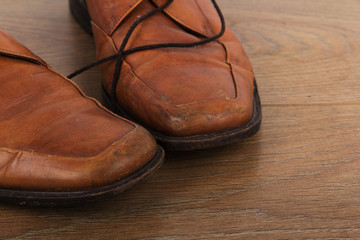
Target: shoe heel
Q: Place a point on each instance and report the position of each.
(80, 12)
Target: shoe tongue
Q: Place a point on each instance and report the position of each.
(109, 14)
(10, 47)
(197, 15)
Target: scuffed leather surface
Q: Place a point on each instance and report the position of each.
(177, 92)
(52, 137)
(109, 14)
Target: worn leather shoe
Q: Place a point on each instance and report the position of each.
(174, 67)
(58, 146)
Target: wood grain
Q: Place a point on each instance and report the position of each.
(298, 178)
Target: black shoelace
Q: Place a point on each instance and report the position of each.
(123, 53)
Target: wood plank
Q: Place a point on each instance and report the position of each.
(303, 52)
(298, 178)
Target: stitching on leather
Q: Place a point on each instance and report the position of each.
(170, 104)
(107, 149)
(17, 55)
(122, 17)
(6, 51)
(138, 77)
(207, 20)
(228, 62)
(82, 94)
(183, 23)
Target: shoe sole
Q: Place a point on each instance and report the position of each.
(79, 11)
(48, 199)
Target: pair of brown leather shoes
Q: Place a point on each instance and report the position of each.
(169, 65)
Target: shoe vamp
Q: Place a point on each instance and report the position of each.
(182, 76)
(42, 112)
(179, 75)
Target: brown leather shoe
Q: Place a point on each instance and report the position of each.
(173, 66)
(58, 146)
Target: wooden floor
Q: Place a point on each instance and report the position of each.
(298, 178)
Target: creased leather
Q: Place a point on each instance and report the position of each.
(109, 14)
(178, 91)
(53, 137)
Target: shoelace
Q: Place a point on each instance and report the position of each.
(123, 53)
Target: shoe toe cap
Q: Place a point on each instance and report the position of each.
(24, 170)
